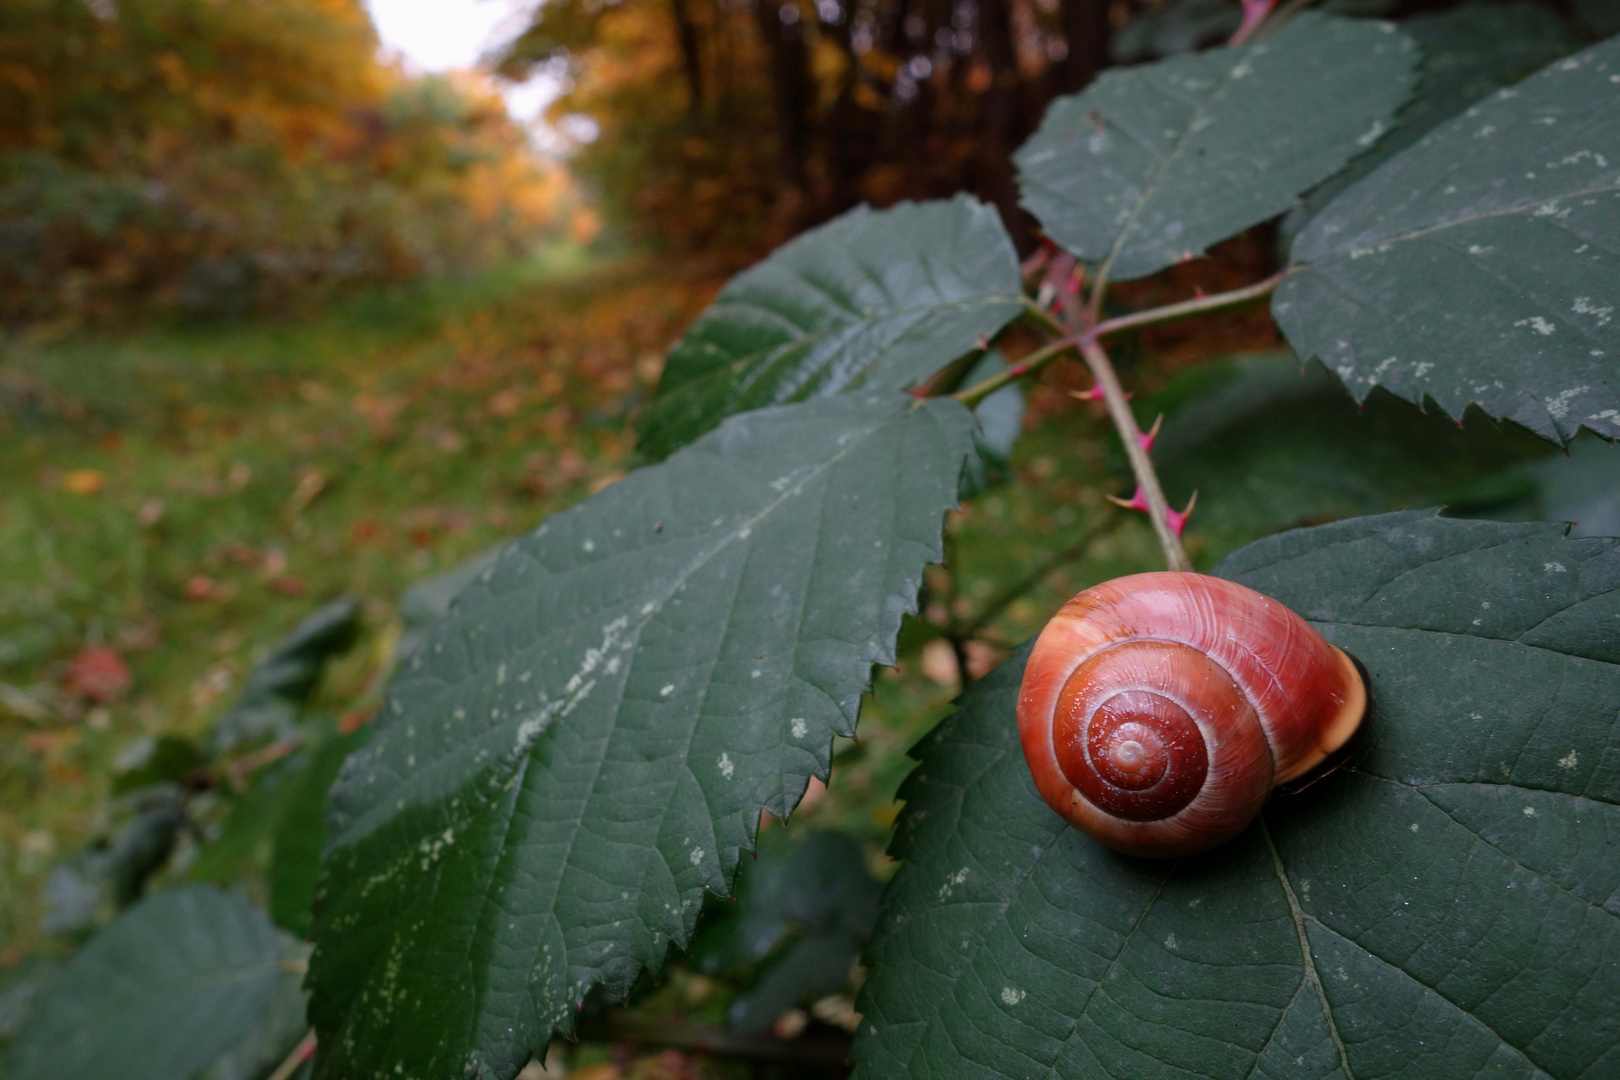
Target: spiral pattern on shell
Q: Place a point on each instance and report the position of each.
(1159, 710)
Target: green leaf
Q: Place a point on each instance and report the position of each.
(876, 300)
(1268, 446)
(1481, 265)
(1153, 164)
(426, 602)
(1467, 52)
(584, 746)
(1443, 906)
(810, 901)
(1001, 421)
(1169, 29)
(152, 759)
(243, 844)
(300, 834)
(158, 995)
(280, 683)
(1583, 487)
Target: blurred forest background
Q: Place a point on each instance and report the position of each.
(287, 327)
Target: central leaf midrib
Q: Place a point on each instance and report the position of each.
(1150, 186)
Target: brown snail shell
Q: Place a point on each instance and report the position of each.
(1159, 710)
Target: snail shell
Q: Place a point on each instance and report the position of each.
(1159, 710)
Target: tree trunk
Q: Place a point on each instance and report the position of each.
(686, 33)
(1004, 122)
(1085, 31)
(781, 26)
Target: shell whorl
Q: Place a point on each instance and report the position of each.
(1158, 710)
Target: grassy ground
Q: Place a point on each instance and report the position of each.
(185, 496)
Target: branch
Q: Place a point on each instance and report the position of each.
(1119, 410)
(301, 1053)
(813, 1049)
(1196, 306)
(1043, 356)
(1027, 366)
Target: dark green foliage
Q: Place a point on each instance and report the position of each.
(1327, 937)
(1467, 52)
(1478, 266)
(167, 988)
(548, 800)
(1269, 444)
(280, 684)
(299, 833)
(878, 300)
(1153, 165)
(806, 904)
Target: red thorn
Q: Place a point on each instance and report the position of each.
(917, 392)
(1146, 437)
(1254, 11)
(1017, 370)
(1176, 518)
(1094, 394)
(1135, 502)
(1198, 291)
(984, 341)
(1073, 287)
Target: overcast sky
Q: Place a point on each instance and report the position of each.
(437, 35)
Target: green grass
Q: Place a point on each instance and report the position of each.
(384, 441)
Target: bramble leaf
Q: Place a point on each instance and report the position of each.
(874, 300)
(1467, 52)
(167, 988)
(1444, 905)
(1481, 265)
(580, 751)
(1153, 164)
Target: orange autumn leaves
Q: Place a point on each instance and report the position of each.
(215, 159)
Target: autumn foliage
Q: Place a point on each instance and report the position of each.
(225, 157)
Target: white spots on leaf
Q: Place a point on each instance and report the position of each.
(1011, 995)
(1569, 761)
(588, 546)
(1558, 407)
(1478, 249)
(1529, 811)
(1538, 324)
(745, 532)
(798, 726)
(1423, 368)
(1243, 70)
(1171, 943)
(756, 673)
(669, 688)
(1485, 132)
(1413, 826)
(952, 882)
(612, 666)
(500, 675)
(1553, 567)
(1584, 305)
(727, 768)
(696, 856)
(1372, 134)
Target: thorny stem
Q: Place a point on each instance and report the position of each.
(1198, 305)
(1029, 364)
(1038, 359)
(301, 1053)
(1277, 18)
(1125, 422)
